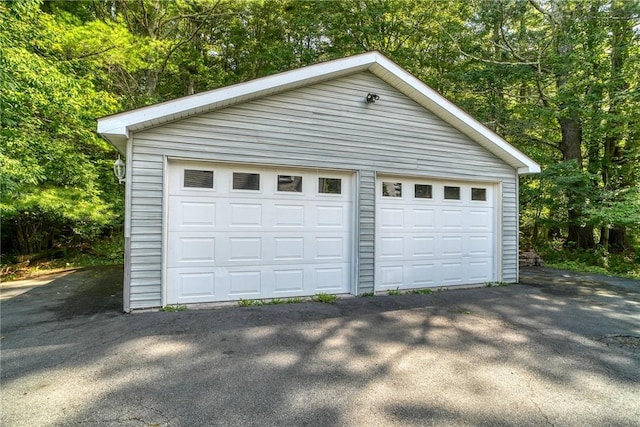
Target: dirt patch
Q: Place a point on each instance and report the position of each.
(99, 290)
(570, 284)
(626, 341)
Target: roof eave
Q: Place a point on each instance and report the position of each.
(116, 128)
(153, 115)
(411, 86)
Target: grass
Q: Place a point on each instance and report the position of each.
(425, 291)
(394, 292)
(274, 301)
(491, 284)
(249, 302)
(595, 261)
(173, 308)
(325, 298)
(367, 294)
(106, 251)
(582, 267)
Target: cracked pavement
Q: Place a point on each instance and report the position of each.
(559, 349)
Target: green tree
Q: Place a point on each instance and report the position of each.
(51, 161)
(567, 90)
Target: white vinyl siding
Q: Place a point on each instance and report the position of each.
(326, 125)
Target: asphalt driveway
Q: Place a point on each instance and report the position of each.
(559, 349)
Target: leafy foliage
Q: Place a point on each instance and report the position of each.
(50, 158)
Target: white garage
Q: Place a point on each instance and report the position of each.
(345, 177)
(431, 233)
(240, 231)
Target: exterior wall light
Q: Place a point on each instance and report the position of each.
(119, 169)
(372, 98)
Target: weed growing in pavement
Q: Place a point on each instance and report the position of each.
(367, 294)
(490, 284)
(249, 302)
(326, 298)
(425, 291)
(173, 308)
(395, 291)
(295, 300)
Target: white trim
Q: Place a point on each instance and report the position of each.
(117, 128)
(355, 233)
(128, 191)
(165, 229)
(517, 229)
(499, 224)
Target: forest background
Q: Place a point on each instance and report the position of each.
(558, 79)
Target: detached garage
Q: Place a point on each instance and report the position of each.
(344, 177)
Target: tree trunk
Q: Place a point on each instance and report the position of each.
(618, 239)
(571, 147)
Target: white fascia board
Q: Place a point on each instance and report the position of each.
(457, 117)
(120, 124)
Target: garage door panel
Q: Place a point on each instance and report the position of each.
(479, 246)
(392, 247)
(245, 249)
(190, 213)
(289, 280)
(245, 215)
(477, 271)
(289, 216)
(192, 284)
(480, 220)
(226, 244)
(245, 283)
(451, 219)
(452, 273)
(289, 249)
(391, 276)
(331, 216)
(330, 248)
(424, 219)
(331, 279)
(391, 218)
(423, 275)
(192, 249)
(451, 246)
(423, 246)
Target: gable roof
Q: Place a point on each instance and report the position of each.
(118, 127)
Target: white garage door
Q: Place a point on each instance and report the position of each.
(248, 232)
(434, 233)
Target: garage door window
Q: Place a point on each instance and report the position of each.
(246, 181)
(451, 193)
(423, 191)
(391, 189)
(194, 178)
(479, 194)
(290, 183)
(330, 185)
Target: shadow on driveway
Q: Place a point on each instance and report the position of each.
(515, 355)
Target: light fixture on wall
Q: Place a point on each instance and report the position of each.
(119, 169)
(372, 98)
